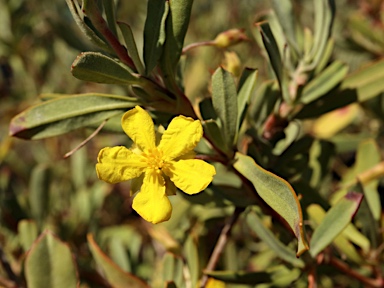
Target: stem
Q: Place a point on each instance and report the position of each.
(94, 133)
(98, 21)
(375, 283)
(197, 44)
(220, 244)
(312, 278)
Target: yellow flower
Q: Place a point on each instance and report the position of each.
(157, 169)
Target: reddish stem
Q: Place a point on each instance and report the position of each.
(374, 283)
(101, 26)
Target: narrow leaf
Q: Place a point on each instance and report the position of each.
(366, 80)
(131, 46)
(39, 192)
(341, 242)
(49, 263)
(109, 9)
(368, 155)
(324, 16)
(176, 29)
(247, 90)
(191, 253)
(96, 67)
(224, 100)
(286, 16)
(66, 113)
(154, 32)
(215, 135)
(78, 16)
(334, 222)
(113, 273)
(268, 238)
(27, 233)
(324, 82)
(277, 193)
(275, 59)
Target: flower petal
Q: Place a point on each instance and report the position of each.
(181, 136)
(138, 125)
(117, 164)
(151, 202)
(191, 176)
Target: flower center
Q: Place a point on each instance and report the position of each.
(154, 159)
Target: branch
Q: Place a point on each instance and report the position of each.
(220, 244)
(374, 283)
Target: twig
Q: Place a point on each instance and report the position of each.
(375, 283)
(86, 140)
(220, 244)
(312, 278)
(197, 44)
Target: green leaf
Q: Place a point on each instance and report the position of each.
(109, 9)
(176, 29)
(240, 277)
(78, 16)
(324, 82)
(316, 215)
(324, 59)
(173, 269)
(49, 263)
(368, 155)
(334, 222)
(278, 276)
(366, 81)
(154, 32)
(281, 250)
(191, 253)
(39, 192)
(66, 113)
(27, 232)
(224, 100)
(361, 86)
(324, 16)
(286, 16)
(131, 46)
(263, 102)
(369, 226)
(246, 92)
(113, 273)
(214, 134)
(275, 59)
(96, 67)
(277, 193)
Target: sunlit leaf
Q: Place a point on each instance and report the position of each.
(27, 232)
(334, 222)
(49, 263)
(277, 193)
(131, 46)
(66, 113)
(224, 99)
(281, 250)
(96, 67)
(154, 32)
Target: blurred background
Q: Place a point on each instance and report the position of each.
(38, 43)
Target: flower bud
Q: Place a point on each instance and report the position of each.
(232, 63)
(229, 38)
